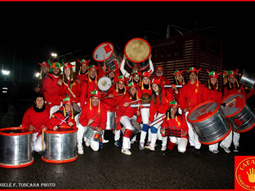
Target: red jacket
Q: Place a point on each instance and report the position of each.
(235, 90)
(192, 95)
(87, 114)
(51, 88)
(56, 120)
(37, 119)
(178, 122)
(215, 95)
(87, 86)
(126, 111)
(74, 87)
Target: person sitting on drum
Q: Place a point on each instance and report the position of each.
(127, 75)
(50, 87)
(127, 113)
(69, 85)
(83, 72)
(89, 84)
(63, 117)
(158, 107)
(92, 115)
(37, 82)
(34, 120)
(175, 126)
(193, 93)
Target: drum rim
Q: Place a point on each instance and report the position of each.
(14, 134)
(245, 130)
(228, 116)
(98, 47)
(199, 120)
(59, 161)
(17, 166)
(136, 62)
(62, 132)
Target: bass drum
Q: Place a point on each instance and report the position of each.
(106, 53)
(247, 79)
(137, 51)
(104, 84)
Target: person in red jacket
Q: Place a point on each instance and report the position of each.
(37, 82)
(92, 115)
(63, 117)
(158, 108)
(69, 86)
(215, 94)
(193, 93)
(51, 87)
(89, 84)
(34, 120)
(232, 86)
(83, 72)
(127, 114)
(175, 126)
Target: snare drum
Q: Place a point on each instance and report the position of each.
(137, 128)
(91, 134)
(247, 79)
(137, 51)
(15, 147)
(104, 84)
(239, 113)
(105, 53)
(209, 123)
(60, 145)
(146, 98)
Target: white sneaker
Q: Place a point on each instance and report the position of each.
(105, 141)
(87, 144)
(215, 151)
(126, 151)
(163, 148)
(236, 149)
(85, 139)
(80, 150)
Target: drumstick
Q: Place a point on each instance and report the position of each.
(230, 101)
(70, 90)
(96, 115)
(135, 101)
(114, 96)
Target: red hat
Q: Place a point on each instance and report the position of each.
(160, 66)
(122, 79)
(193, 69)
(132, 85)
(68, 65)
(146, 74)
(176, 72)
(155, 81)
(92, 66)
(137, 65)
(232, 73)
(95, 93)
(83, 61)
(213, 74)
(173, 104)
(44, 63)
(136, 72)
(66, 100)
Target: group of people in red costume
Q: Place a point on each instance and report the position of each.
(59, 91)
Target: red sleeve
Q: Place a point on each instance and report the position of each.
(153, 111)
(183, 102)
(26, 120)
(52, 122)
(83, 120)
(184, 124)
(49, 86)
(83, 95)
(103, 118)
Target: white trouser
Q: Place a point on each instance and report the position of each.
(213, 147)
(127, 125)
(193, 137)
(117, 135)
(228, 140)
(154, 136)
(76, 118)
(181, 142)
(145, 113)
(37, 143)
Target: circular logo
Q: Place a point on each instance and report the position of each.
(245, 174)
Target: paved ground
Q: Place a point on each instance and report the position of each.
(110, 169)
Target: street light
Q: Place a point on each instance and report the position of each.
(6, 72)
(37, 74)
(54, 55)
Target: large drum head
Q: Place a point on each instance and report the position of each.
(203, 111)
(104, 83)
(137, 50)
(103, 52)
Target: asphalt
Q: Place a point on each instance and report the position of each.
(110, 169)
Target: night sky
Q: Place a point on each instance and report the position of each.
(32, 30)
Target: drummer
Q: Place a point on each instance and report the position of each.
(232, 86)
(127, 113)
(50, 87)
(63, 117)
(214, 93)
(69, 85)
(175, 122)
(83, 72)
(93, 114)
(89, 84)
(193, 93)
(37, 82)
(34, 120)
(136, 67)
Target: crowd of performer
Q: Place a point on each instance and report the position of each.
(59, 92)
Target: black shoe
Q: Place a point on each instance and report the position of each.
(166, 152)
(197, 152)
